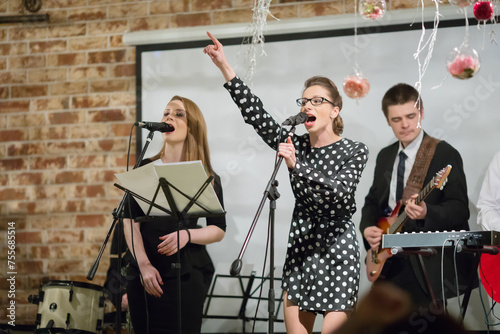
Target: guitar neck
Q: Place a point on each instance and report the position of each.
(403, 217)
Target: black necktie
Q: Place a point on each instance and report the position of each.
(401, 176)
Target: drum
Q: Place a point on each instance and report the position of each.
(69, 306)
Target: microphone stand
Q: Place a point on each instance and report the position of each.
(271, 193)
(118, 215)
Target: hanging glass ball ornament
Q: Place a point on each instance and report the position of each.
(483, 10)
(460, 3)
(463, 62)
(372, 9)
(356, 86)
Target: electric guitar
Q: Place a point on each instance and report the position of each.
(375, 258)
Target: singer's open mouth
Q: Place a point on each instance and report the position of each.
(310, 120)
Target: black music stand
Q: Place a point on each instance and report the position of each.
(247, 294)
(173, 198)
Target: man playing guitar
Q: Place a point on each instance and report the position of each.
(441, 210)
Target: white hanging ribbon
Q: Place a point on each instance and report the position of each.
(429, 44)
(259, 22)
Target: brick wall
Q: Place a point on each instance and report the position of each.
(67, 102)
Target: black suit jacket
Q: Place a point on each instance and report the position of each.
(447, 210)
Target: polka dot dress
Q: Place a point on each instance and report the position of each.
(322, 267)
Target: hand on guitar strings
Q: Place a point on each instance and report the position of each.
(413, 210)
(373, 235)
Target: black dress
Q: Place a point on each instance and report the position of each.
(321, 270)
(160, 314)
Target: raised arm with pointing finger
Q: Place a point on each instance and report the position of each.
(321, 270)
(216, 53)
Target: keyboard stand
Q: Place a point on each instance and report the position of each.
(472, 279)
(420, 252)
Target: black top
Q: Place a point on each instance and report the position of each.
(447, 209)
(157, 226)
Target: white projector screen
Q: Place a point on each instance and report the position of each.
(465, 113)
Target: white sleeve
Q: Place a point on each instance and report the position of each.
(488, 204)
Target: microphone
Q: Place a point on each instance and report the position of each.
(300, 118)
(155, 126)
(236, 267)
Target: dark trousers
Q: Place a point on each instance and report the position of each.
(160, 314)
(400, 272)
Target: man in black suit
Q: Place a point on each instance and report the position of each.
(442, 210)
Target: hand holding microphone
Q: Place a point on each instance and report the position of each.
(287, 151)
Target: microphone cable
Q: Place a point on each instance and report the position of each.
(445, 308)
(455, 251)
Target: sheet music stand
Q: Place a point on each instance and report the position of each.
(246, 295)
(182, 216)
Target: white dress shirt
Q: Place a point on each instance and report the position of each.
(488, 204)
(411, 153)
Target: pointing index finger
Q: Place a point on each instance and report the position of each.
(215, 40)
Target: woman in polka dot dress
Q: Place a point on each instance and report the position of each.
(321, 270)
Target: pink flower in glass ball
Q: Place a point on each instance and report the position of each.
(372, 9)
(356, 86)
(463, 66)
(483, 10)
(376, 13)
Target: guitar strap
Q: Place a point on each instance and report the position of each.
(420, 167)
(414, 184)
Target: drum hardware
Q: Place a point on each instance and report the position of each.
(50, 325)
(17, 329)
(69, 306)
(35, 299)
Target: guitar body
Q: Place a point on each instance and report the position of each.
(375, 258)
(375, 261)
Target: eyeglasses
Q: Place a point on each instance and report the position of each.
(315, 101)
